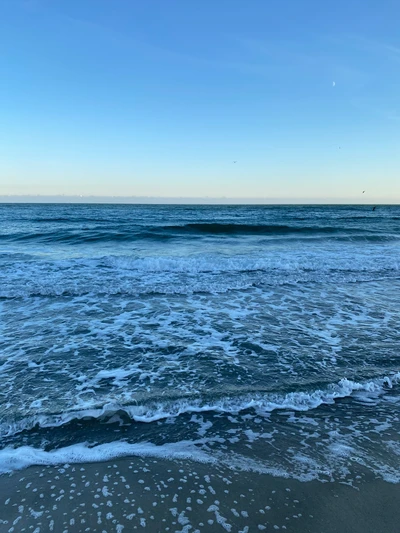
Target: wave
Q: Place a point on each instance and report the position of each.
(131, 233)
(298, 467)
(201, 273)
(81, 236)
(12, 459)
(251, 229)
(261, 403)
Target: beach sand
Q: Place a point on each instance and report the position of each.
(134, 493)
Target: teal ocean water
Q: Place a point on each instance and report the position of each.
(265, 338)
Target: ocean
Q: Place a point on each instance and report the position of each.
(263, 340)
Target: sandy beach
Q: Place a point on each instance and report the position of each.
(182, 496)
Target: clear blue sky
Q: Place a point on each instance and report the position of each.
(160, 97)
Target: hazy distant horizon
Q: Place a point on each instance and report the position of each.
(199, 200)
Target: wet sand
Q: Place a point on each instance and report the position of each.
(132, 494)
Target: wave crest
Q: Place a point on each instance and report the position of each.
(261, 403)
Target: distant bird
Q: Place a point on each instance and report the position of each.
(363, 192)
(235, 161)
(373, 209)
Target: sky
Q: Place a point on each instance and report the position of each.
(221, 99)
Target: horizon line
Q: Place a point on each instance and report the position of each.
(200, 200)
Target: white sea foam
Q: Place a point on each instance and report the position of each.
(302, 461)
(188, 274)
(263, 404)
(18, 458)
(12, 459)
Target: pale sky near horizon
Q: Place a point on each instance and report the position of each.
(159, 98)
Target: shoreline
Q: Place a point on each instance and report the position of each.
(132, 493)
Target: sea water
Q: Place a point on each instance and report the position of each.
(263, 338)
